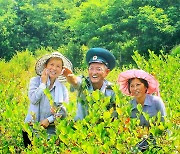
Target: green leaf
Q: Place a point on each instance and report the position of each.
(146, 115)
(139, 108)
(106, 115)
(95, 95)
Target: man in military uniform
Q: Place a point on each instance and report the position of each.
(101, 62)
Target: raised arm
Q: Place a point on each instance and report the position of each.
(36, 88)
(71, 78)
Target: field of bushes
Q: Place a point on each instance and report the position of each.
(89, 135)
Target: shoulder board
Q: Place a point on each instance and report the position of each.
(109, 86)
(86, 80)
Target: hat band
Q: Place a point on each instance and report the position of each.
(100, 60)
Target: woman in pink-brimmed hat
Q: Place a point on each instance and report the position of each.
(141, 85)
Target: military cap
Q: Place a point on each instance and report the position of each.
(101, 55)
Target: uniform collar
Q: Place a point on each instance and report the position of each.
(103, 88)
(146, 103)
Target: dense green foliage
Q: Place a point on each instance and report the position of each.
(97, 133)
(72, 26)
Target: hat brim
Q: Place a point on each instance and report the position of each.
(39, 67)
(153, 85)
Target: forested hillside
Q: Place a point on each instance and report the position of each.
(142, 34)
(73, 26)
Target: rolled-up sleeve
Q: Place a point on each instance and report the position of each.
(51, 119)
(62, 112)
(79, 82)
(35, 90)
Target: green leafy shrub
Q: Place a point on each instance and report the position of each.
(98, 132)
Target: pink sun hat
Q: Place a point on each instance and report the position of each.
(153, 85)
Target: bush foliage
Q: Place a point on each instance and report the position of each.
(98, 132)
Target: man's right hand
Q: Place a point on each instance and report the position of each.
(71, 78)
(66, 72)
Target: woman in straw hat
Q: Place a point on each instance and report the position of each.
(48, 69)
(141, 85)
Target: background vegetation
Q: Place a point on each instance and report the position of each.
(73, 26)
(141, 34)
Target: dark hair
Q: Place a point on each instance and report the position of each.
(141, 80)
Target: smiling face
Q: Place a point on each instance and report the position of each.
(97, 72)
(137, 88)
(54, 66)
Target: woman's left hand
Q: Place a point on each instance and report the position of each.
(44, 123)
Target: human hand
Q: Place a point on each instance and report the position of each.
(71, 78)
(45, 75)
(53, 110)
(45, 123)
(66, 72)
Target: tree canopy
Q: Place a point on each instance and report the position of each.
(73, 26)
